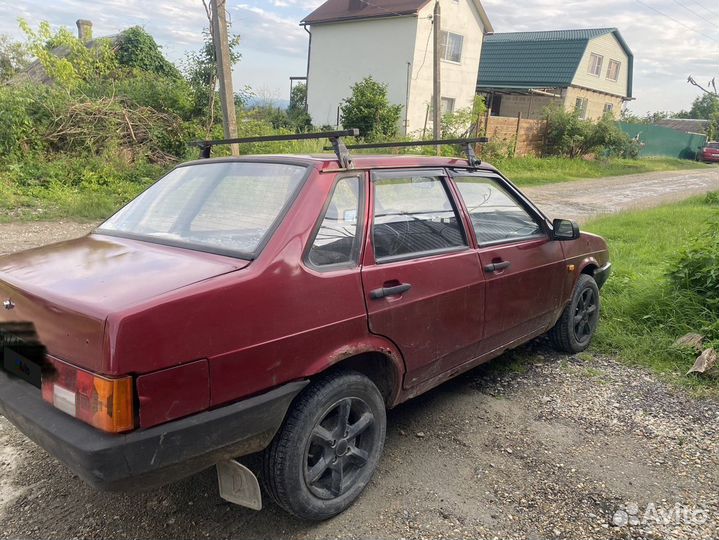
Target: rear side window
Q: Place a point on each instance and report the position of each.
(414, 215)
(337, 241)
(496, 215)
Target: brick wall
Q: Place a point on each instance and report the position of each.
(529, 133)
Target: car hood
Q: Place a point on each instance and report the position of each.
(68, 289)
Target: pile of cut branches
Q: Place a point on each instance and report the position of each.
(115, 123)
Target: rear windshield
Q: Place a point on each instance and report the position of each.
(223, 207)
(714, 145)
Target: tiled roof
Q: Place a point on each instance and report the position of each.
(526, 60)
(345, 10)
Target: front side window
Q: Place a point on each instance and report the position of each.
(613, 70)
(230, 206)
(595, 64)
(451, 46)
(414, 215)
(337, 241)
(496, 216)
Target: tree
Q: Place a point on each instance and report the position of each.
(14, 57)
(137, 49)
(68, 61)
(705, 107)
(200, 70)
(297, 110)
(369, 110)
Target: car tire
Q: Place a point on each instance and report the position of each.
(328, 448)
(576, 327)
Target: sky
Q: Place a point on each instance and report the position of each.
(671, 39)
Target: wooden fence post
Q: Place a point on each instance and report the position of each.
(516, 133)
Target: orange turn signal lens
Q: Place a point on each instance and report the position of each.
(104, 403)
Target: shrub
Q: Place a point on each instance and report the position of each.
(697, 267)
(570, 136)
(461, 122)
(369, 110)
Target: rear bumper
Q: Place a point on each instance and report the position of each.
(148, 458)
(601, 275)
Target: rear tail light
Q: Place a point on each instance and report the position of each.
(106, 404)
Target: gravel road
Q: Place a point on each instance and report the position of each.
(534, 445)
(585, 199)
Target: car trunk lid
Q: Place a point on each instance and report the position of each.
(67, 290)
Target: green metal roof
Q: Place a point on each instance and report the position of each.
(523, 60)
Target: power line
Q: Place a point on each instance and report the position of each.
(677, 21)
(706, 8)
(702, 18)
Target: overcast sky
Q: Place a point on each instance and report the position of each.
(671, 39)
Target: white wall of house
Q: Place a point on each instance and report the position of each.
(342, 54)
(459, 80)
(398, 52)
(609, 49)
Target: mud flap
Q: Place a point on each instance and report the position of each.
(239, 485)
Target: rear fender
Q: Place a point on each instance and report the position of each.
(368, 345)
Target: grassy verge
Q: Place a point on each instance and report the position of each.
(92, 188)
(529, 171)
(643, 313)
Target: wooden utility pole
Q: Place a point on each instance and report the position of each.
(224, 71)
(437, 97)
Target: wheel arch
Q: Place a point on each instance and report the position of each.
(378, 360)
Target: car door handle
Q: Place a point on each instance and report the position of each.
(378, 294)
(498, 266)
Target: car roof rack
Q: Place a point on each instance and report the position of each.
(335, 138)
(468, 145)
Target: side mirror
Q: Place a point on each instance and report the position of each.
(565, 229)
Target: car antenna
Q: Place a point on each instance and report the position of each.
(335, 137)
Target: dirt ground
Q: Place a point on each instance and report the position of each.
(534, 445)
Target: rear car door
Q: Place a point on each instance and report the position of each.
(523, 267)
(423, 286)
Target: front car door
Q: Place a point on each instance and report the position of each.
(423, 286)
(524, 268)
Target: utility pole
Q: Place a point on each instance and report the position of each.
(224, 71)
(437, 97)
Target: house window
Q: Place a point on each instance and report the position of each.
(581, 107)
(595, 64)
(613, 70)
(447, 105)
(609, 108)
(451, 46)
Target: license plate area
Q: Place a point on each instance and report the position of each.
(22, 367)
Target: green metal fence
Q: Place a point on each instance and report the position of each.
(665, 142)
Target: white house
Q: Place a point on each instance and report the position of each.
(392, 40)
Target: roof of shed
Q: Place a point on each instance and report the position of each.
(549, 59)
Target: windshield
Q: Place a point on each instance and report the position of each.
(713, 145)
(221, 207)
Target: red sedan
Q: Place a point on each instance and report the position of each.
(280, 305)
(709, 153)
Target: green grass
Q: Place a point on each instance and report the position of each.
(530, 171)
(643, 313)
(77, 188)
